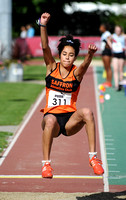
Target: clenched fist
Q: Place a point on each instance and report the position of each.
(45, 18)
(92, 49)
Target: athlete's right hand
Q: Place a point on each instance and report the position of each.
(45, 18)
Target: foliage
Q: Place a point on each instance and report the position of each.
(79, 23)
(3, 140)
(118, 20)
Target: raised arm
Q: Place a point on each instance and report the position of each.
(81, 70)
(49, 60)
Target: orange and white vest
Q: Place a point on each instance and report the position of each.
(61, 93)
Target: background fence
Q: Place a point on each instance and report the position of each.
(35, 49)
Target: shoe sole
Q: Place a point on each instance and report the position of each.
(99, 174)
(47, 177)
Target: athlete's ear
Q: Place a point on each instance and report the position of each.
(75, 58)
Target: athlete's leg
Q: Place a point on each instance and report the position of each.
(80, 118)
(107, 66)
(121, 65)
(115, 71)
(51, 129)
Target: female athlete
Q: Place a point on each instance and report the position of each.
(117, 42)
(106, 54)
(62, 86)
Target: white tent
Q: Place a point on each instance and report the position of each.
(90, 6)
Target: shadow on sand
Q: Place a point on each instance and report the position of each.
(105, 196)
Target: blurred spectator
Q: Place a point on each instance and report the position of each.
(30, 31)
(23, 33)
(20, 50)
(117, 42)
(106, 54)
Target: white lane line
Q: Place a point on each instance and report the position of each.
(112, 165)
(24, 123)
(117, 177)
(109, 144)
(110, 153)
(111, 159)
(114, 171)
(55, 176)
(112, 149)
(108, 136)
(101, 136)
(111, 140)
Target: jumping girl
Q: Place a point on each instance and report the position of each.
(62, 86)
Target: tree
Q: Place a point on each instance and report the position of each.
(78, 23)
(30, 10)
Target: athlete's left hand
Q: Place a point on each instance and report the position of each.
(92, 49)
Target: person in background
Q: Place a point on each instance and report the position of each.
(106, 54)
(23, 33)
(20, 50)
(117, 43)
(30, 31)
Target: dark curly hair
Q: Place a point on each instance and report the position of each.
(68, 40)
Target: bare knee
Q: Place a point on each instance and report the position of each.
(87, 114)
(49, 121)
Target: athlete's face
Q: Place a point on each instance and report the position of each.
(118, 30)
(67, 56)
(102, 29)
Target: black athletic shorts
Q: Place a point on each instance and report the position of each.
(119, 55)
(107, 52)
(62, 119)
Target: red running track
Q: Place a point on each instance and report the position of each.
(69, 155)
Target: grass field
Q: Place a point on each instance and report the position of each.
(3, 140)
(34, 73)
(16, 99)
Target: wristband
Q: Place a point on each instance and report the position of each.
(42, 25)
(39, 24)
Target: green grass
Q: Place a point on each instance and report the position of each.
(3, 140)
(15, 100)
(34, 72)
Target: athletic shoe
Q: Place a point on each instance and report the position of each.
(107, 84)
(96, 164)
(47, 171)
(119, 88)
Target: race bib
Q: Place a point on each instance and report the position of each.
(58, 98)
(117, 47)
